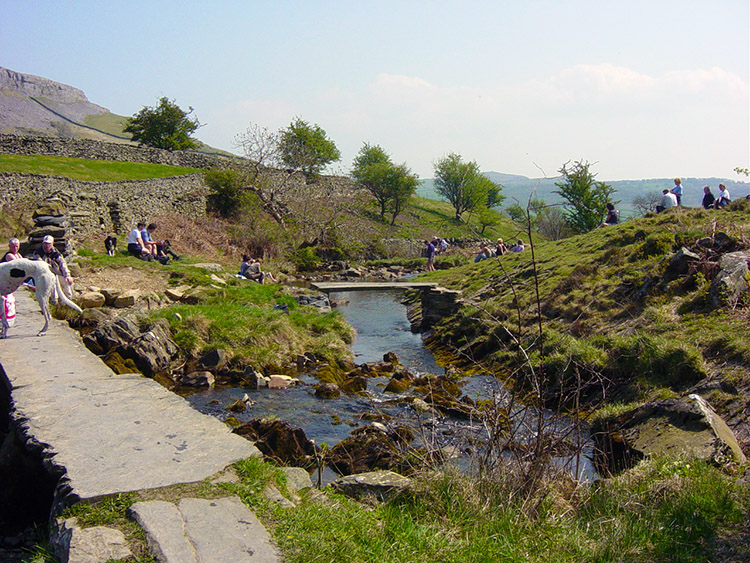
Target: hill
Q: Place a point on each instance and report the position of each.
(619, 319)
(34, 105)
(519, 188)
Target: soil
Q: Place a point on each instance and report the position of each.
(123, 279)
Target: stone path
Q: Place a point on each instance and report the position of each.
(109, 433)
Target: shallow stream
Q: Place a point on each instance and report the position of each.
(380, 320)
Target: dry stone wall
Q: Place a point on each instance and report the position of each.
(99, 150)
(107, 207)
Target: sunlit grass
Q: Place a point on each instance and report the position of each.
(89, 170)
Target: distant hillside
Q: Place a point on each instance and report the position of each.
(519, 188)
(33, 105)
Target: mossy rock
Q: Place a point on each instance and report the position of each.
(120, 365)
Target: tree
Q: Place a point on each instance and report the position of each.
(646, 202)
(306, 147)
(391, 185)
(587, 199)
(461, 184)
(165, 126)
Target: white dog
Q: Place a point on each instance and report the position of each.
(12, 275)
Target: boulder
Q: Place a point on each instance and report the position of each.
(199, 379)
(400, 382)
(732, 281)
(177, 293)
(679, 264)
(281, 381)
(297, 479)
(687, 425)
(110, 294)
(214, 359)
(152, 350)
(91, 299)
(253, 379)
(280, 442)
(126, 299)
(368, 448)
(355, 384)
(379, 485)
(327, 391)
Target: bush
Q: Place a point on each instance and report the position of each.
(306, 259)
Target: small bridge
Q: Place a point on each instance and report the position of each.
(331, 287)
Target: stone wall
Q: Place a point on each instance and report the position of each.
(107, 207)
(99, 150)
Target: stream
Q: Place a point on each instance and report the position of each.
(380, 321)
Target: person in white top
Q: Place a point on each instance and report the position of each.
(668, 200)
(724, 197)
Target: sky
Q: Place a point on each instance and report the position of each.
(639, 89)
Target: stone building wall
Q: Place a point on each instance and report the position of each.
(107, 207)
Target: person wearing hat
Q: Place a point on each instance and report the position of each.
(49, 254)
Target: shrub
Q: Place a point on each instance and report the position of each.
(306, 259)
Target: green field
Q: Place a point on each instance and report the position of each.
(89, 170)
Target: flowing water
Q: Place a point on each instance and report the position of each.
(380, 321)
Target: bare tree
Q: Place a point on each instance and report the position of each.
(646, 202)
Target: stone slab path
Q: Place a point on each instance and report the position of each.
(107, 433)
(206, 531)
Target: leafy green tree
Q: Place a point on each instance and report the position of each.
(587, 199)
(306, 147)
(229, 196)
(461, 184)
(165, 126)
(391, 185)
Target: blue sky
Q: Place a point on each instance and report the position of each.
(641, 89)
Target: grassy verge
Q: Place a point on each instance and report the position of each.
(89, 170)
(664, 510)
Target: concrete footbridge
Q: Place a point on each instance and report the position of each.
(332, 287)
(104, 434)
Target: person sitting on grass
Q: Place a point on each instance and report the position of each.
(500, 248)
(724, 198)
(708, 198)
(613, 216)
(519, 247)
(251, 269)
(135, 243)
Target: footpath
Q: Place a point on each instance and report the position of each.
(108, 434)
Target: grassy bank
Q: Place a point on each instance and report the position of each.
(88, 170)
(614, 322)
(260, 325)
(663, 510)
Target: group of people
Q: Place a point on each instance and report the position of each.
(141, 244)
(250, 269)
(712, 202)
(673, 198)
(501, 248)
(49, 254)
